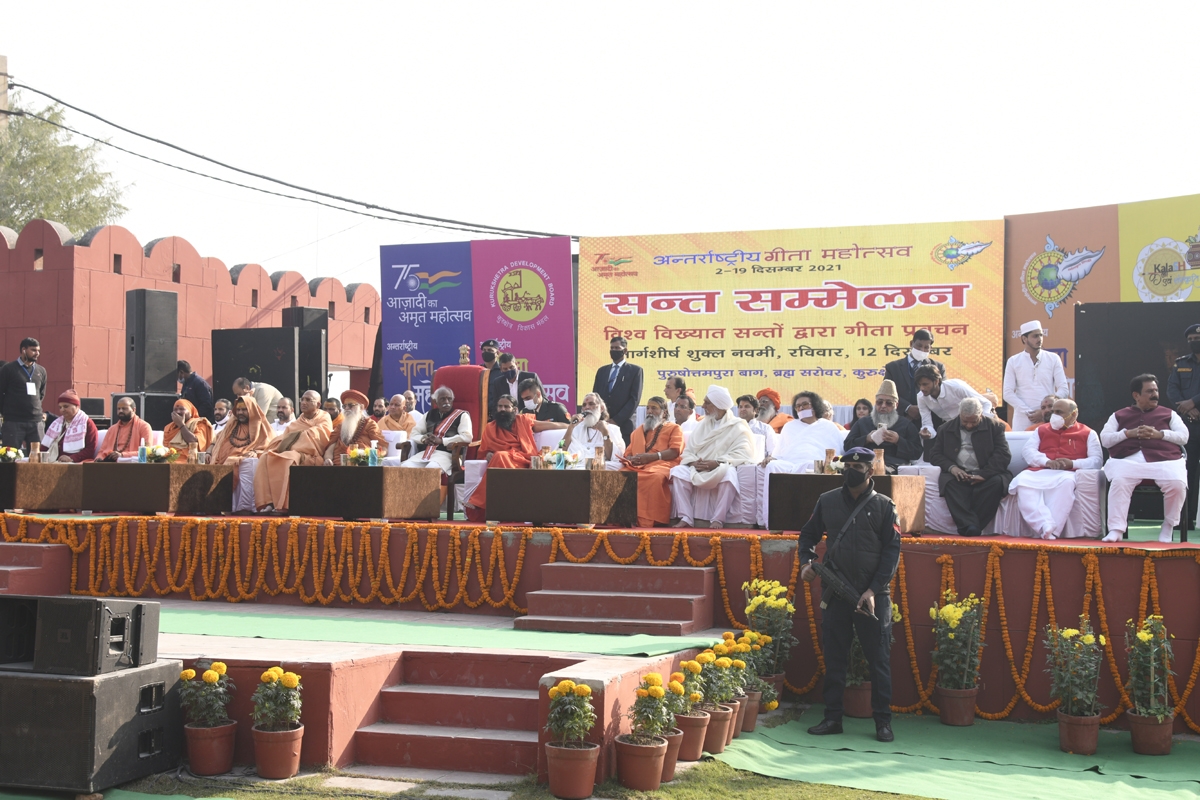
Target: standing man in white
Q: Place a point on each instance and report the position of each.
(1030, 375)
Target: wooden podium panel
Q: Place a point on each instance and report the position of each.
(365, 492)
(562, 496)
(793, 498)
(41, 487)
(184, 489)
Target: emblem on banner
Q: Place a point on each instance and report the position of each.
(1161, 272)
(521, 294)
(1050, 276)
(414, 281)
(955, 253)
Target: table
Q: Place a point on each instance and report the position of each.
(365, 492)
(184, 489)
(562, 496)
(793, 498)
(41, 487)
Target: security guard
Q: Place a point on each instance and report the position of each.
(1183, 390)
(489, 350)
(864, 549)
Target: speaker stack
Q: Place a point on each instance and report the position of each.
(85, 704)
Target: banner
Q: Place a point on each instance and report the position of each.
(1160, 250)
(817, 309)
(435, 298)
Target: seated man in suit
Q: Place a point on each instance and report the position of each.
(620, 386)
(1046, 491)
(973, 455)
(902, 371)
(887, 429)
(506, 381)
(533, 401)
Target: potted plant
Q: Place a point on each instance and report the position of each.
(716, 686)
(358, 457)
(677, 702)
(640, 753)
(1153, 714)
(9, 455)
(957, 634)
(209, 730)
(570, 760)
(769, 612)
(856, 699)
(277, 729)
(689, 717)
(1073, 660)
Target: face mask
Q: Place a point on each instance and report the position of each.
(853, 478)
(616, 355)
(511, 375)
(488, 357)
(1195, 346)
(530, 405)
(918, 355)
(805, 413)
(1057, 422)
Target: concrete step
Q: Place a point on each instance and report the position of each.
(461, 707)
(509, 752)
(482, 670)
(616, 605)
(35, 569)
(14, 554)
(656, 627)
(593, 577)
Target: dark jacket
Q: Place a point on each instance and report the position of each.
(498, 386)
(549, 411)
(196, 391)
(1184, 382)
(626, 393)
(16, 403)
(869, 555)
(898, 372)
(991, 449)
(909, 448)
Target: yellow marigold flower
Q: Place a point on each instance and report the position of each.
(642, 692)
(219, 667)
(737, 662)
(693, 667)
(695, 697)
(953, 623)
(1069, 633)
(187, 674)
(764, 639)
(565, 686)
(771, 706)
(278, 671)
(653, 679)
(677, 676)
(720, 649)
(1102, 642)
(896, 613)
(705, 658)
(791, 609)
(1145, 636)
(583, 690)
(951, 635)
(724, 662)
(756, 647)
(933, 613)
(554, 693)
(268, 677)
(210, 677)
(728, 635)
(676, 688)
(290, 679)
(1088, 638)
(657, 692)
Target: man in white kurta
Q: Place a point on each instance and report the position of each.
(719, 443)
(747, 407)
(436, 434)
(801, 442)
(1030, 375)
(1055, 452)
(1145, 442)
(593, 429)
(942, 397)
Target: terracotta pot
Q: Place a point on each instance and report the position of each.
(277, 753)
(1078, 735)
(776, 681)
(750, 722)
(674, 740)
(210, 750)
(957, 706)
(694, 727)
(718, 729)
(640, 766)
(1150, 737)
(742, 712)
(856, 701)
(572, 769)
(736, 706)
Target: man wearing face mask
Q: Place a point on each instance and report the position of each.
(1183, 390)
(533, 401)
(864, 549)
(488, 351)
(902, 371)
(973, 455)
(1046, 491)
(620, 386)
(506, 381)
(802, 441)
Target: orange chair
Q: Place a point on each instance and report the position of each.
(469, 384)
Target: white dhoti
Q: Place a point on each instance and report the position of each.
(440, 460)
(1124, 474)
(1019, 421)
(682, 489)
(243, 485)
(764, 497)
(1045, 497)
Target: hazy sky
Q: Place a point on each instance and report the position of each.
(618, 118)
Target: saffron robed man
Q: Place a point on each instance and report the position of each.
(303, 442)
(186, 428)
(127, 434)
(356, 428)
(246, 435)
(1057, 450)
(443, 427)
(654, 449)
(716, 446)
(507, 443)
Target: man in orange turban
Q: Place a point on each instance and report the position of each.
(187, 427)
(355, 429)
(768, 411)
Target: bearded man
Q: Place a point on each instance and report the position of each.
(507, 443)
(284, 415)
(334, 409)
(123, 439)
(220, 415)
(803, 441)
(436, 435)
(356, 428)
(303, 442)
(71, 438)
(654, 449)
(886, 429)
(769, 409)
(591, 429)
(246, 435)
(378, 409)
(186, 428)
(719, 443)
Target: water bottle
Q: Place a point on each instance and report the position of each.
(373, 455)
(142, 452)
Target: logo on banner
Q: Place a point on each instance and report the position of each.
(955, 253)
(1050, 276)
(1160, 274)
(522, 291)
(415, 281)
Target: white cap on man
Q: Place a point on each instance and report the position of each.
(1033, 326)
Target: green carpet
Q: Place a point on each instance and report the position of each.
(987, 761)
(109, 794)
(308, 628)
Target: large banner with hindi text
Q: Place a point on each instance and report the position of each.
(817, 309)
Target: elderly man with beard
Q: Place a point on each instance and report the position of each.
(973, 455)
(186, 428)
(654, 449)
(434, 436)
(246, 435)
(747, 406)
(303, 442)
(284, 415)
(591, 430)
(71, 438)
(803, 441)
(769, 404)
(1046, 491)
(720, 442)
(356, 428)
(123, 439)
(888, 430)
(507, 443)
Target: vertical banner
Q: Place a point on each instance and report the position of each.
(1160, 250)
(523, 300)
(427, 313)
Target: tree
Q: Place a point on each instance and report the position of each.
(43, 175)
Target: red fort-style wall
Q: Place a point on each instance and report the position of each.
(69, 293)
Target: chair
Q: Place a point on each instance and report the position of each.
(1148, 488)
(469, 384)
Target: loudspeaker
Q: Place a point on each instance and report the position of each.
(92, 406)
(306, 319)
(18, 632)
(269, 355)
(76, 635)
(314, 362)
(86, 734)
(152, 329)
(154, 407)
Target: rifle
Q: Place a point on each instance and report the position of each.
(832, 578)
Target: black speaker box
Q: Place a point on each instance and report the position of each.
(314, 363)
(87, 734)
(306, 319)
(92, 406)
(154, 407)
(152, 330)
(76, 635)
(269, 355)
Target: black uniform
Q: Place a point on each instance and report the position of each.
(867, 559)
(549, 411)
(1184, 384)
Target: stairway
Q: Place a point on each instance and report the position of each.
(619, 599)
(474, 712)
(35, 569)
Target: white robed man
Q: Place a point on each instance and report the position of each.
(284, 415)
(303, 442)
(1030, 375)
(591, 429)
(801, 442)
(719, 443)
(747, 407)
(437, 433)
(684, 414)
(1055, 452)
(1145, 442)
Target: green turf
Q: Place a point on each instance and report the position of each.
(380, 630)
(109, 794)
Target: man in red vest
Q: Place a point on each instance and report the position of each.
(1058, 448)
(1145, 442)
